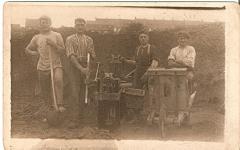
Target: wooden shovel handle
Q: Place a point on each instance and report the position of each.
(52, 81)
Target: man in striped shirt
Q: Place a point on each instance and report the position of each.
(78, 46)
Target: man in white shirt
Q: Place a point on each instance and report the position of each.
(41, 45)
(183, 56)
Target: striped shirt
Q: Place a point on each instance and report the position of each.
(79, 46)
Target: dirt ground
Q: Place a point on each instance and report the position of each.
(206, 124)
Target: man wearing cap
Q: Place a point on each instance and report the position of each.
(183, 56)
(42, 44)
(78, 46)
(145, 57)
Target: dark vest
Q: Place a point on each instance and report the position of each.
(143, 56)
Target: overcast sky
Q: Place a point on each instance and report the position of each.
(65, 15)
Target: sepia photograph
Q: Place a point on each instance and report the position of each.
(117, 72)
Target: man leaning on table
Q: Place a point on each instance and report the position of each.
(183, 56)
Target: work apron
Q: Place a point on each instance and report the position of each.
(143, 62)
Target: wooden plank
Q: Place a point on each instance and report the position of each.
(107, 96)
(132, 91)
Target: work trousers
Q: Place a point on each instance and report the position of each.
(137, 81)
(45, 86)
(75, 102)
(190, 82)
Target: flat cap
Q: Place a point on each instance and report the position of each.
(80, 20)
(183, 34)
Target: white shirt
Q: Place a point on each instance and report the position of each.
(39, 42)
(186, 54)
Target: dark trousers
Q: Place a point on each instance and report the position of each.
(137, 81)
(75, 102)
(190, 78)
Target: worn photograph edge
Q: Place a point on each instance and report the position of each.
(231, 63)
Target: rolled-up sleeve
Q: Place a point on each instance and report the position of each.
(33, 44)
(69, 48)
(189, 60)
(60, 40)
(172, 54)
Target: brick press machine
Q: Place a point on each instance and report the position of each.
(166, 96)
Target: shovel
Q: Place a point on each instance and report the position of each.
(87, 80)
(53, 116)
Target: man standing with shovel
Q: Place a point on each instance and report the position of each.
(49, 46)
(79, 49)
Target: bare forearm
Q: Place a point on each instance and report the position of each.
(31, 52)
(183, 64)
(58, 47)
(178, 65)
(173, 63)
(76, 63)
(188, 63)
